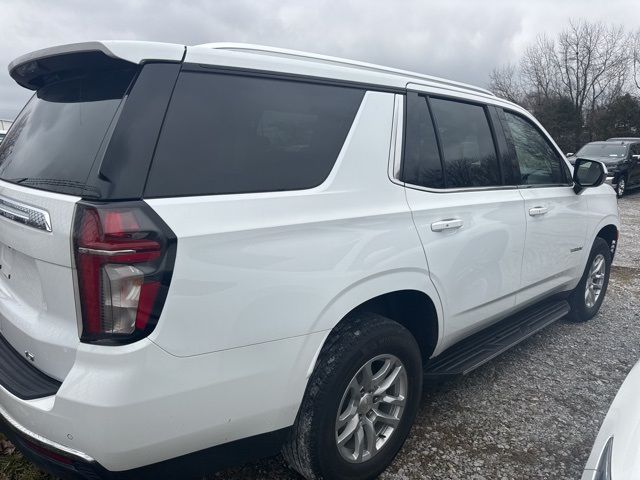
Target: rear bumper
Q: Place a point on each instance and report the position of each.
(127, 408)
(56, 459)
(21, 378)
(69, 464)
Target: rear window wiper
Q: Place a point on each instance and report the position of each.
(72, 187)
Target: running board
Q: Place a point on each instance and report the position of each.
(487, 344)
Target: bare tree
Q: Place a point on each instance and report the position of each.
(539, 71)
(592, 60)
(635, 45)
(571, 76)
(588, 63)
(505, 82)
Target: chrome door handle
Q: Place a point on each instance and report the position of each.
(536, 211)
(450, 224)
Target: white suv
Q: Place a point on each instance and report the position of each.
(217, 252)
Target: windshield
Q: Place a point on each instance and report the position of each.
(603, 150)
(56, 138)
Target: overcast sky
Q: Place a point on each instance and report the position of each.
(460, 40)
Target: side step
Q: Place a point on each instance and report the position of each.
(472, 352)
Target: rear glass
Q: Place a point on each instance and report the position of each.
(601, 150)
(55, 139)
(235, 134)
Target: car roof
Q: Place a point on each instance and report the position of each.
(604, 142)
(623, 139)
(259, 57)
(335, 64)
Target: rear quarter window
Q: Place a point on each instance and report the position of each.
(228, 134)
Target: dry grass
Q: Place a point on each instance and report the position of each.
(13, 466)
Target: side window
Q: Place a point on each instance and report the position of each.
(539, 162)
(237, 134)
(470, 158)
(421, 162)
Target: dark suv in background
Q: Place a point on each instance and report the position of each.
(621, 155)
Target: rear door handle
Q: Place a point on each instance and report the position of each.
(536, 211)
(449, 224)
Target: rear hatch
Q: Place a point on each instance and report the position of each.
(46, 162)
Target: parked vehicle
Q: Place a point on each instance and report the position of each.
(616, 452)
(241, 249)
(4, 126)
(622, 158)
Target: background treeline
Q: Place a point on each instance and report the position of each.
(582, 85)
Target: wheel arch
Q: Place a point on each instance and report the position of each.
(405, 296)
(412, 309)
(609, 233)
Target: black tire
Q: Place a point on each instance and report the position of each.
(311, 449)
(620, 191)
(580, 312)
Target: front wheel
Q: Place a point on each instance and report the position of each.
(360, 402)
(622, 186)
(588, 296)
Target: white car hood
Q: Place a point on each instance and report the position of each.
(623, 424)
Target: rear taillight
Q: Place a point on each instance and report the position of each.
(124, 258)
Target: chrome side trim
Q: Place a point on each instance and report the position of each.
(460, 190)
(26, 214)
(104, 253)
(393, 168)
(399, 138)
(39, 439)
(480, 189)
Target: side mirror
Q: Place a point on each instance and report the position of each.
(588, 173)
(569, 154)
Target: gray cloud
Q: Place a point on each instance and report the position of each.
(461, 40)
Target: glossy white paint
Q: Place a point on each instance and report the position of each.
(37, 306)
(130, 51)
(274, 265)
(475, 268)
(623, 424)
(261, 279)
(112, 399)
(553, 257)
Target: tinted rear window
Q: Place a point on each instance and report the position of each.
(55, 139)
(235, 134)
(422, 164)
(470, 157)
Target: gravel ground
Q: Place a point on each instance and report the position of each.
(535, 411)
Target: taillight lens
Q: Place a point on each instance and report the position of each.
(124, 259)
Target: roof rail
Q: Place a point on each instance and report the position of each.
(343, 62)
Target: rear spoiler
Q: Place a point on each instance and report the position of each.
(38, 68)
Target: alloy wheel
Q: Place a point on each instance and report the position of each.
(371, 408)
(595, 280)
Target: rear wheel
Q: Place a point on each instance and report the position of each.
(588, 296)
(360, 402)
